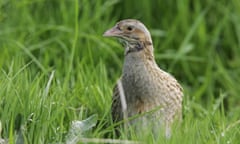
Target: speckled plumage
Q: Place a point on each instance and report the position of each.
(146, 86)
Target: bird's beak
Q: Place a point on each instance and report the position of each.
(113, 32)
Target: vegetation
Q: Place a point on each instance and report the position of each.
(55, 66)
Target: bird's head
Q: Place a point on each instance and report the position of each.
(133, 33)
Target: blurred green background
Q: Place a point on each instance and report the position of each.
(196, 41)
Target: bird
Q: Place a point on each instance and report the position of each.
(150, 92)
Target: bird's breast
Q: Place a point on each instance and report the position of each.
(137, 81)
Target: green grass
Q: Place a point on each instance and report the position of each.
(55, 66)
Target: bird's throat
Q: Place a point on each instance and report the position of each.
(136, 47)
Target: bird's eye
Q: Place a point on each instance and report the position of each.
(129, 28)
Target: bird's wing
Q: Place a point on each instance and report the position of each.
(175, 97)
(116, 105)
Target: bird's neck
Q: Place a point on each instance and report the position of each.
(139, 51)
(137, 60)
